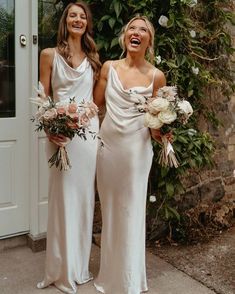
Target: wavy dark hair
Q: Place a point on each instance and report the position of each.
(87, 42)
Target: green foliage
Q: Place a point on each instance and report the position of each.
(194, 150)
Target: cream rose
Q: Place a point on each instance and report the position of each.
(50, 114)
(158, 105)
(185, 108)
(167, 117)
(152, 121)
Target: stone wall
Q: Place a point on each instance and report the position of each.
(219, 182)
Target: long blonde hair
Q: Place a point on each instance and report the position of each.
(150, 49)
(88, 44)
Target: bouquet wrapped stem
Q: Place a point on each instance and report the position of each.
(60, 159)
(167, 155)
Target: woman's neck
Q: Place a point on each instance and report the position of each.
(132, 60)
(75, 46)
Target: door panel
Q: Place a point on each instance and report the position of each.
(14, 118)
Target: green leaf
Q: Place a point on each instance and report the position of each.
(112, 22)
(170, 189)
(117, 8)
(114, 42)
(175, 213)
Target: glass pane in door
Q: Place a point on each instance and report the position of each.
(7, 58)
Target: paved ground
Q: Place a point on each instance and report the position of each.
(21, 269)
(212, 263)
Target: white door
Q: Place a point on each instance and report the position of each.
(15, 89)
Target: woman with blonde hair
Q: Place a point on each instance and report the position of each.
(125, 159)
(66, 71)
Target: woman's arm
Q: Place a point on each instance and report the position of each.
(46, 60)
(100, 86)
(159, 81)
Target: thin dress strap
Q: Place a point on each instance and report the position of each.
(154, 74)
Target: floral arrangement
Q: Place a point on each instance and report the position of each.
(165, 112)
(61, 121)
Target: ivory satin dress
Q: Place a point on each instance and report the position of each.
(123, 168)
(71, 192)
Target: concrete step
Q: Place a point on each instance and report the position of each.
(21, 269)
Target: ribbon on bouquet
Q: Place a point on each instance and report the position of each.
(167, 154)
(60, 157)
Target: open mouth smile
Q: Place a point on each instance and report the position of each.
(135, 41)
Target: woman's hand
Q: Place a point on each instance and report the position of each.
(157, 135)
(58, 140)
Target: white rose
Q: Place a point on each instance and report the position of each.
(163, 20)
(152, 121)
(152, 198)
(167, 117)
(195, 70)
(192, 3)
(158, 59)
(192, 33)
(157, 105)
(185, 108)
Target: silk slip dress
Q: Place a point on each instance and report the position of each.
(123, 168)
(71, 192)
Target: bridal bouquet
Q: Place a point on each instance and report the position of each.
(61, 121)
(165, 112)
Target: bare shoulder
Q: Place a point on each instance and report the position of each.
(159, 79)
(47, 54)
(105, 69)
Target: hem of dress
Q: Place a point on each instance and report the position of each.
(86, 281)
(44, 284)
(101, 289)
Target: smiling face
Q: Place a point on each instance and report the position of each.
(137, 36)
(76, 20)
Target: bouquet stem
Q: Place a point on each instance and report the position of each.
(167, 155)
(60, 158)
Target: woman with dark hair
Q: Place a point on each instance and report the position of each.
(66, 71)
(125, 159)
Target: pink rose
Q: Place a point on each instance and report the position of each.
(72, 125)
(84, 120)
(50, 114)
(74, 116)
(61, 110)
(72, 108)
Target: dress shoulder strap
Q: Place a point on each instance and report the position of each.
(153, 79)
